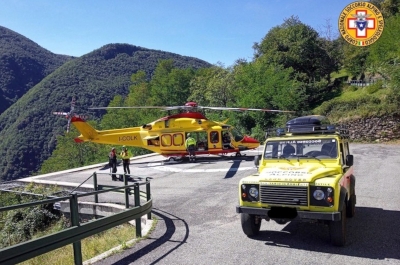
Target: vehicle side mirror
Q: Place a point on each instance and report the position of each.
(257, 160)
(349, 160)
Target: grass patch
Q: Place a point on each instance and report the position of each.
(91, 246)
(340, 74)
(358, 102)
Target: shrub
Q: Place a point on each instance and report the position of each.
(371, 89)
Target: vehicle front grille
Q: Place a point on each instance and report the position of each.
(284, 195)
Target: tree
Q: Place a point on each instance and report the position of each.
(298, 46)
(270, 86)
(294, 44)
(69, 154)
(170, 85)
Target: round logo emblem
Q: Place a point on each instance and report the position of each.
(361, 23)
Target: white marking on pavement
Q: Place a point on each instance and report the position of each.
(160, 167)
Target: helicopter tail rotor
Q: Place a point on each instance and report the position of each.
(71, 114)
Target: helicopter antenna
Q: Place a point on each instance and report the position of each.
(71, 113)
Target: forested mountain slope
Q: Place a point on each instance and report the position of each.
(23, 64)
(29, 129)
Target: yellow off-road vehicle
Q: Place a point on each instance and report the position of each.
(306, 173)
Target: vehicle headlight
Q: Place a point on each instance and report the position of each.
(253, 192)
(322, 196)
(319, 195)
(249, 192)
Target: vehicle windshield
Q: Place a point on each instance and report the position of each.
(304, 148)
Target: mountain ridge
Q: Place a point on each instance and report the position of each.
(23, 64)
(28, 129)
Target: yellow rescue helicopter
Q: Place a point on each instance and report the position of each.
(167, 135)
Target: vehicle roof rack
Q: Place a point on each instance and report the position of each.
(313, 124)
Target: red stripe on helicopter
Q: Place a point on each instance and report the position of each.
(249, 140)
(77, 119)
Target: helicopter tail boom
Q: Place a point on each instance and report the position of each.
(87, 132)
(126, 136)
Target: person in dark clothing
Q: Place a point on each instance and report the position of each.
(112, 162)
(226, 140)
(288, 150)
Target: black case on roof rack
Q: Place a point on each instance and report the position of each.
(310, 124)
(316, 124)
(313, 124)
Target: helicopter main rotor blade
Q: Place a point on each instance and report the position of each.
(245, 109)
(193, 108)
(142, 107)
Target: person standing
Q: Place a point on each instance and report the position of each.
(125, 155)
(190, 145)
(112, 162)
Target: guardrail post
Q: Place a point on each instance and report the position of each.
(148, 195)
(73, 206)
(126, 191)
(96, 196)
(137, 203)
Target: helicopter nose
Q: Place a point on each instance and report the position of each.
(249, 140)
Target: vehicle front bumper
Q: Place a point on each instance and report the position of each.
(333, 216)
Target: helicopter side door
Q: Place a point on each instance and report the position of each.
(172, 141)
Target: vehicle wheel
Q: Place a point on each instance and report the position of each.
(351, 206)
(257, 160)
(249, 225)
(337, 229)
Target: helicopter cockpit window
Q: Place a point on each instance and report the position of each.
(305, 148)
(237, 135)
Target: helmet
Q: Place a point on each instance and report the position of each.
(113, 148)
(188, 135)
(124, 146)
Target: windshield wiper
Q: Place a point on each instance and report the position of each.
(307, 156)
(282, 157)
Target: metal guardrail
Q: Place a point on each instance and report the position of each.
(74, 234)
(363, 83)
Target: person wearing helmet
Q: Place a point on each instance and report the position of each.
(288, 150)
(112, 162)
(190, 145)
(125, 155)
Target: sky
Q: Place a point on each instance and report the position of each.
(217, 31)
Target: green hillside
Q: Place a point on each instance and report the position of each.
(23, 64)
(29, 129)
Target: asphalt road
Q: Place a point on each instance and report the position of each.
(197, 223)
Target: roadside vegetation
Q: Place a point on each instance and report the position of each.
(91, 246)
(17, 226)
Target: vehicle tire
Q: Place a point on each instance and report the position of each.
(351, 206)
(337, 229)
(257, 159)
(249, 225)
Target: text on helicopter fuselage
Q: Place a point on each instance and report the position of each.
(127, 138)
